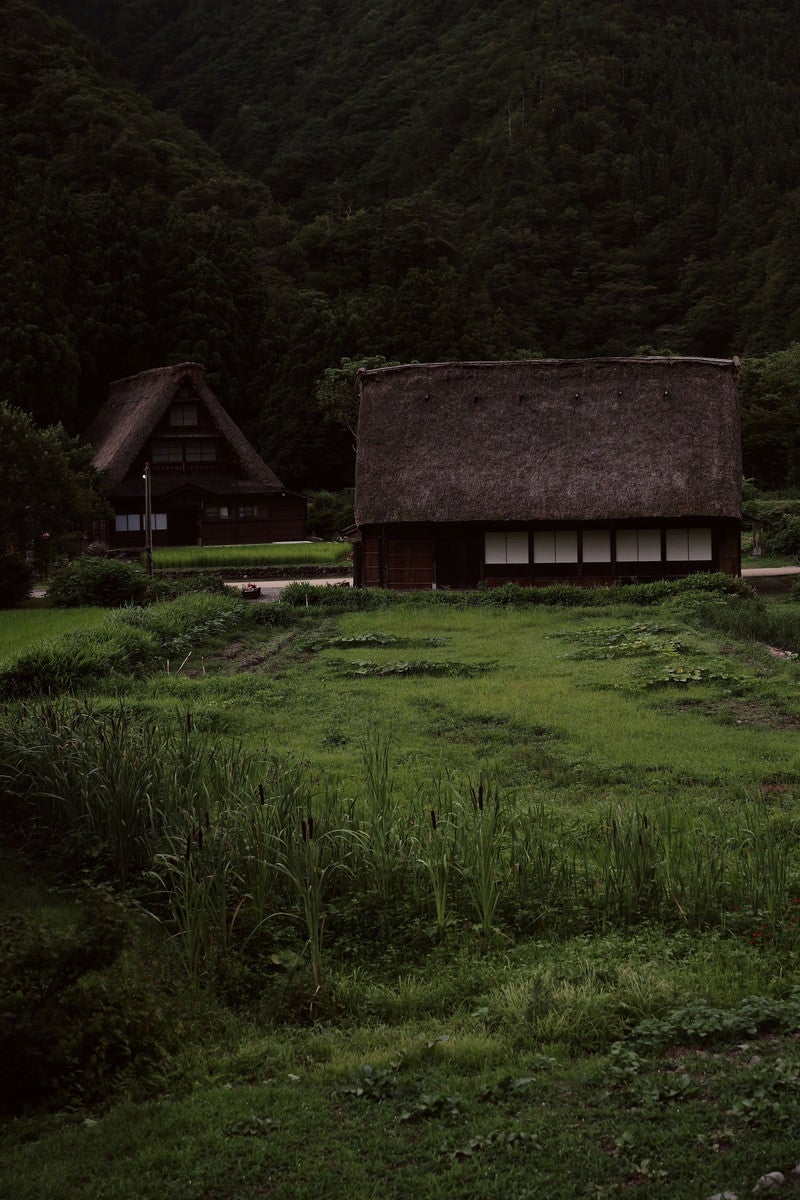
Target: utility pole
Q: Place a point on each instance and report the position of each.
(148, 519)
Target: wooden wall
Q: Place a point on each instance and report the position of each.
(421, 557)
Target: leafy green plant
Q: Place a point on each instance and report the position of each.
(108, 582)
(365, 669)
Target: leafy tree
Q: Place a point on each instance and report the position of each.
(336, 391)
(770, 399)
(48, 493)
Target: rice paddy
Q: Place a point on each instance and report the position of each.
(262, 555)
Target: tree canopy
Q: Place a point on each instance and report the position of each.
(48, 494)
(271, 189)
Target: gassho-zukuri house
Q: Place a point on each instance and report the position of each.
(208, 484)
(587, 471)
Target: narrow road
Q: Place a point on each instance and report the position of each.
(272, 588)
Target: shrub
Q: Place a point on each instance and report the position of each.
(330, 512)
(189, 618)
(783, 539)
(106, 582)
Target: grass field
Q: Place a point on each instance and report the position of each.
(267, 555)
(540, 939)
(24, 627)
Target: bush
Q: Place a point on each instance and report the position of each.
(782, 540)
(15, 578)
(106, 582)
(330, 512)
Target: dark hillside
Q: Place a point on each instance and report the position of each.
(612, 177)
(126, 241)
(458, 181)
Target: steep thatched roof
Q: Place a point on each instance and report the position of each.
(553, 439)
(136, 405)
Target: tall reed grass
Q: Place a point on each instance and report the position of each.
(752, 619)
(231, 849)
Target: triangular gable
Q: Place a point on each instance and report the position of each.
(137, 404)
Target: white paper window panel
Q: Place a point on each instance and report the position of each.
(700, 545)
(688, 545)
(159, 520)
(596, 545)
(495, 548)
(677, 545)
(516, 547)
(649, 545)
(127, 523)
(503, 548)
(638, 545)
(555, 547)
(627, 545)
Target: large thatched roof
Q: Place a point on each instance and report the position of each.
(553, 439)
(136, 405)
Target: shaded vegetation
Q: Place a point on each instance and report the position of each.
(412, 185)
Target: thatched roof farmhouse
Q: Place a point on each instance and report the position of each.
(208, 482)
(589, 470)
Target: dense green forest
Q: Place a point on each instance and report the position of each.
(270, 188)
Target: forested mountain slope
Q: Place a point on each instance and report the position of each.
(458, 180)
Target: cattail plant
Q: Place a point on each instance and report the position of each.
(631, 855)
(309, 856)
(435, 856)
(480, 852)
(386, 848)
(195, 876)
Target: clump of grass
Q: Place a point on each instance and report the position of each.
(128, 643)
(83, 659)
(752, 619)
(309, 857)
(187, 620)
(436, 852)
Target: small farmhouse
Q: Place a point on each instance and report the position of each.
(589, 471)
(208, 484)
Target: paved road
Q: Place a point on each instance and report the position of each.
(272, 588)
(755, 572)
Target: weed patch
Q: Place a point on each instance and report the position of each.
(365, 668)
